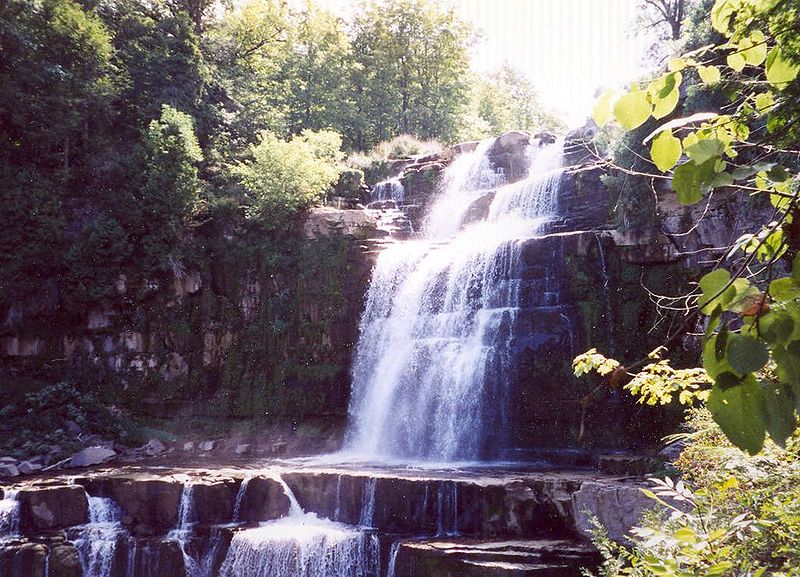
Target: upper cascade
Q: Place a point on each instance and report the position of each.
(433, 354)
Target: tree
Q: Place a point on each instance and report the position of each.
(750, 310)
(506, 100)
(318, 73)
(54, 76)
(412, 70)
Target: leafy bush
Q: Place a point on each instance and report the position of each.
(39, 423)
(733, 515)
(284, 177)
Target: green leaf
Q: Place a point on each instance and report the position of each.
(796, 269)
(704, 150)
(676, 64)
(691, 181)
(746, 354)
(721, 15)
(764, 101)
(664, 93)
(776, 327)
(603, 111)
(709, 74)
(754, 49)
(780, 72)
(736, 61)
(779, 407)
(739, 412)
(665, 151)
(632, 109)
(711, 284)
(784, 289)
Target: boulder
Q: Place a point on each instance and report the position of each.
(326, 221)
(206, 446)
(154, 447)
(617, 506)
(242, 449)
(64, 561)
(91, 456)
(8, 470)
(29, 468)
(479, 209)
(188, 446)
(46, 508)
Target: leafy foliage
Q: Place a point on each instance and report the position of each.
(286, 176)
(748, 324)
(732, 515)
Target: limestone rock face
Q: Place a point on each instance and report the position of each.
(617, 506)
(45, 508)
(325, 221)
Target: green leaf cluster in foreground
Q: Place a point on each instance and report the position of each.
(748, 308)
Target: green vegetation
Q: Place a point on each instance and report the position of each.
(740, 517)
(721, 120)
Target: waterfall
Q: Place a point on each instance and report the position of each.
(609, 315)
(390, 189)
(237, 504)
(97, 541)
(9, 513)
(302, 545)
(368, 503)
(434, 351)
(393, 558)
(447, 508)
(187, 518)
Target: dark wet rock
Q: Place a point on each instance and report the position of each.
(91, 456)
(451, 557)
(149, 505)
(479, 209)
(214, 502)
(509, 155)
(29, 468)
(264, 499)
(46, 508)
(23, 559)
(64, 561)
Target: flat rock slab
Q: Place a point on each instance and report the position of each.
(504, 558)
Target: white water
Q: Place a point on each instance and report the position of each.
(393, 558)
(390, 189)
(240, 495)
(368, 503)
(432, 360)
(97, 541)
(9, 513)
(187, 518)
(302, 545)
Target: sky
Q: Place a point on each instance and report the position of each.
(568, 48)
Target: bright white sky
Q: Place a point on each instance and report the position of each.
(568, 48)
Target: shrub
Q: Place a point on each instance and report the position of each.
(284, 177)
(404, 146)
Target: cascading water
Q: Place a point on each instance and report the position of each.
(390, 189)
(97, 541)
(302, 545)
(9, 513)
(432, 361)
